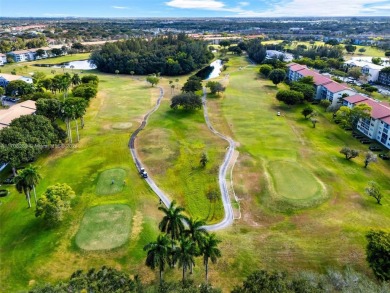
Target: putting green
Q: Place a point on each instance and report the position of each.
(106, 185)
(104, 227)
(292, 181)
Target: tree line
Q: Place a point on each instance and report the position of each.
(108, 279)
(169, 55)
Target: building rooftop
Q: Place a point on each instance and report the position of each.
(355, 98)
(10, 77)
(297, 67)
(19, 52)
(364, 64)
(379, 110)
(318, 79)
(24, 108)
(335, 87)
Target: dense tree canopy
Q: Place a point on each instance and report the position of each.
(53, 204)
(289, 97)
(378, 253)
(256, 51)
(170, 55)
(187, 101)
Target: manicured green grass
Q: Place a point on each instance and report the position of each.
(63, 59)
(104, 227)
(111, 181)
(293, 181)
(31, 252)
(272, 234)
(171, 147)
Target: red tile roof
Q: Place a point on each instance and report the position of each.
(317, 78)
(378, 110)
(355, 98)
(386, 120)
(335, 87)
(297, 67)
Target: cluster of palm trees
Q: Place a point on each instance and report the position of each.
(60, 82)
(182, 240)
(26, 180)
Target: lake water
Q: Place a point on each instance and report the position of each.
(81, 64)
(217, 64)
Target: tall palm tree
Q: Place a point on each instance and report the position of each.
(158, 254)
(22, 186)
(172, 222)
(185, 254)
(32, 178)
(210, 251)
(80, 107)
(196, 232)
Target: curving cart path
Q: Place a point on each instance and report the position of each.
(229, 216)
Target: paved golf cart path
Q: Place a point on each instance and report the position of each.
(229, 215)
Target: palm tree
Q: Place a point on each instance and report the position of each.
(210, 251)
(158, 254)
(32, 178)
(23, 186)
(185, 254)
(80, 107)
(172, 222)
(76, 79)
(196, 232)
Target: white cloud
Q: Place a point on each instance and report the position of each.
(120, 7)
(323, 8)
(291, 8)
(199, 4)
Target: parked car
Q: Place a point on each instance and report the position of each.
(384, 156)
(9, 180)
(145, 175)
(375, 148)
(365, 141)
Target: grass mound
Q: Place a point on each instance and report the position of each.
(104, 227)
(122, 125)
(110, 181)
(294, 184)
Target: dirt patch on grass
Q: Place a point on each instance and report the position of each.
(122, 125)
(137, 226)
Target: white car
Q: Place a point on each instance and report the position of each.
(278, 113)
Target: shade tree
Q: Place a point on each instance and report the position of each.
(54, 203)
(277, 76)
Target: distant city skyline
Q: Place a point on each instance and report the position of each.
(193, 8)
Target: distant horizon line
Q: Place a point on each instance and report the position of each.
(190, 17)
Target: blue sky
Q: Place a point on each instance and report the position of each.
(193, 8)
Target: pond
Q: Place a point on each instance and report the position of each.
(80, 64)
(217, 64)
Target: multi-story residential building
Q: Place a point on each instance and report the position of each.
(6, 78)
(384, 76)
(22, 55)
(334, 92)
(378, 125)
(325, 88)
(3, 59)
(370, 70)
(318, 79)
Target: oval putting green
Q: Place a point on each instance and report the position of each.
(104, 227)
(292, 181)
(111, 181)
